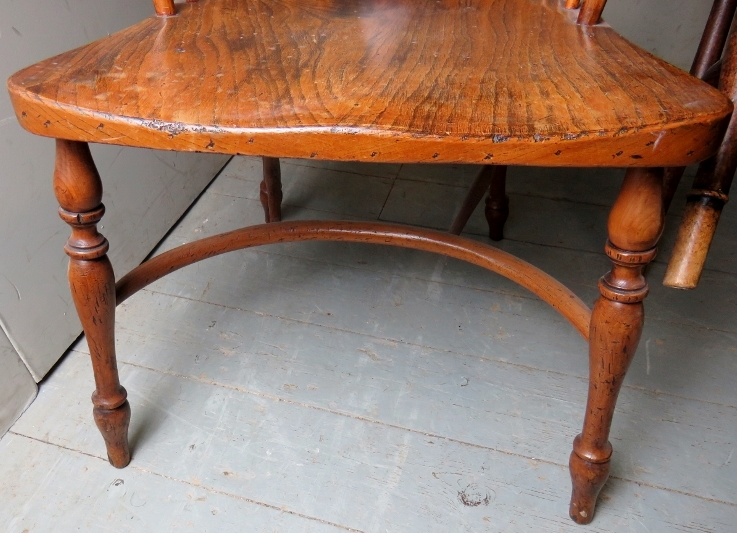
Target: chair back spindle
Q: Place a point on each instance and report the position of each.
(707, 65)
(725, 163)
(714, 37)
(591, 12)
(713, 180)
(164, 8)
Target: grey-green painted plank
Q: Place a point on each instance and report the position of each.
(474, 399)
(364, 475)
(54, 490)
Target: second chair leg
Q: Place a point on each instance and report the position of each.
(497, 204)
(270, 189)
(492, 179)
(635, 225)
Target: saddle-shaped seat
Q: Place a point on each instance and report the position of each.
(473, 81)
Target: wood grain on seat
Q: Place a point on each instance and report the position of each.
(476, 81)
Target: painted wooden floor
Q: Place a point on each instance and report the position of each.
(327, 387)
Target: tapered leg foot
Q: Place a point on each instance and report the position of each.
(113, 424)
(270, 191)
(587, 479)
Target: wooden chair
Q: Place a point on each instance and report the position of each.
(385, 81)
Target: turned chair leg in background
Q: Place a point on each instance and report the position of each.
(492, 179)
(497, 204)
(635, 224)
(271, 193)
(78, 189)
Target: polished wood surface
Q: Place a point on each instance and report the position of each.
(165, 8)
(79, 191)
(714, 38)
(635, 225)
(591, 11)
(707, 66)
(379, 81)
(483, 255)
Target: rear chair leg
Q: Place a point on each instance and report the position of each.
(492, 179)
(271, 193)
(635, 225)
(497, 204)
(78, 189)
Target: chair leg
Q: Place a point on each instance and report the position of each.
(635, 225)
(493, 179)
(497, 204)
(78, 189)
(271, 193)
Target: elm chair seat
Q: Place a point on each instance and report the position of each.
(479, 81)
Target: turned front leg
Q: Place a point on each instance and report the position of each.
(635, 225)
(79, 191)
(270, 192)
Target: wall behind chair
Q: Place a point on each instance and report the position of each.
(145, 191)
(670, 29)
